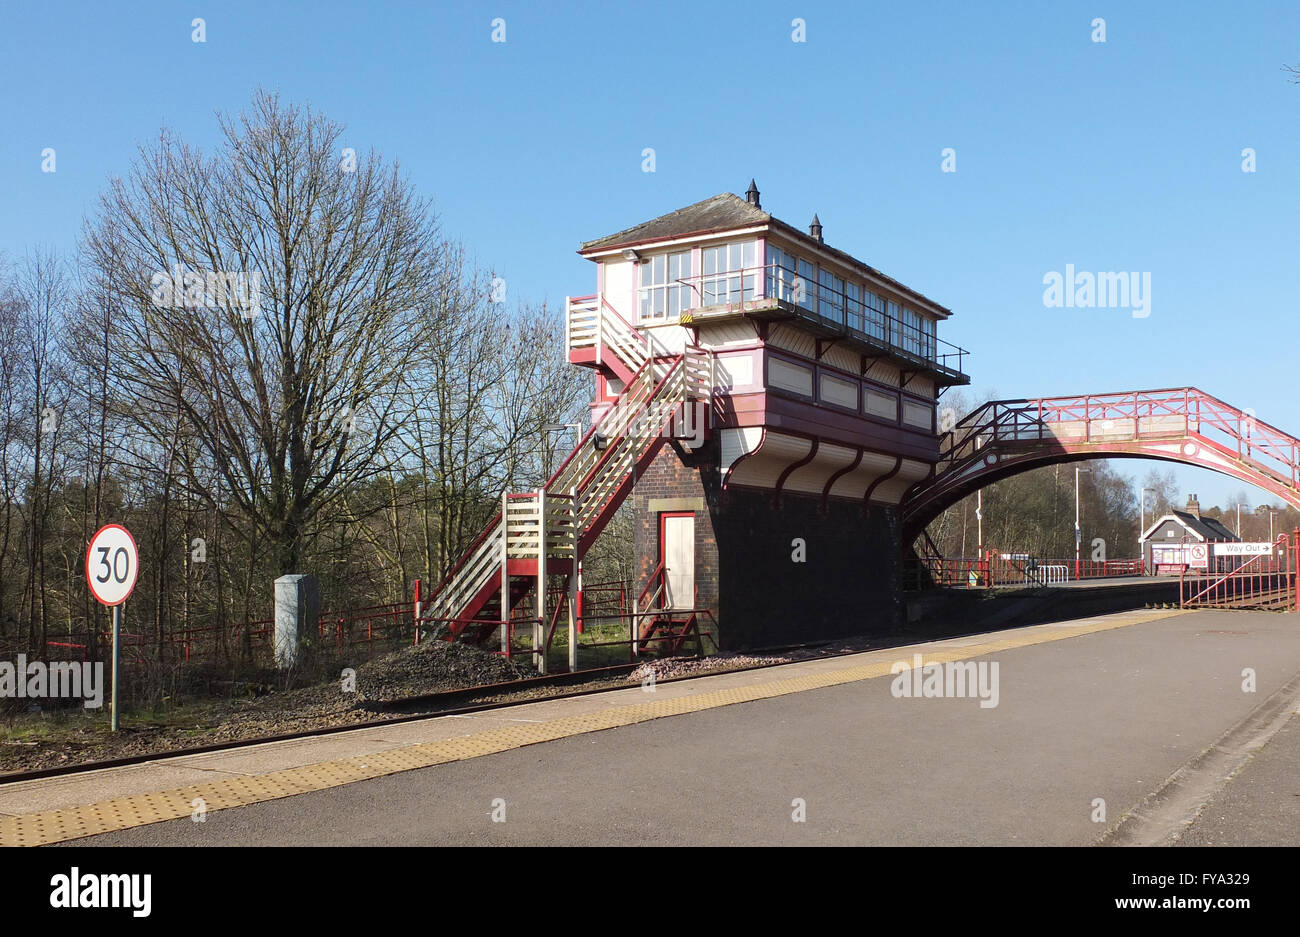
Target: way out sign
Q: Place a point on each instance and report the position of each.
(112, 567)
(112, 564)
(1243, 549)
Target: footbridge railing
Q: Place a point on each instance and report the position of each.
(1004, 437)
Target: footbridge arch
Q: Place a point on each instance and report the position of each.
(1006, 437)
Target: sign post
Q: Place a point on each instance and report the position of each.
(112, 566)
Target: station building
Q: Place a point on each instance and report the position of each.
(780, 516)
(1182, 541)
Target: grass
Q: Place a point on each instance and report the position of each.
(193, 718)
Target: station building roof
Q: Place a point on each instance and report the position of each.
(1205, 529)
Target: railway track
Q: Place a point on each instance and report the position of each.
(446, 703)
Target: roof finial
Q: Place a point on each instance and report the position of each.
(751, 194)
(815, 229)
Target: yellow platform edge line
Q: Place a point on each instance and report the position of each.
(53, 826)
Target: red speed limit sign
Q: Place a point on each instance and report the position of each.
(112, 564)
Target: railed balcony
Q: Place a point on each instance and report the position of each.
(769, 292)
(774, 292)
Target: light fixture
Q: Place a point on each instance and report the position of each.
(599, 441)
(632, 255)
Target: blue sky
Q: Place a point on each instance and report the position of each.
(1123, 155)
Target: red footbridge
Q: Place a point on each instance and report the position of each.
(1006, 437)
(1003, 438)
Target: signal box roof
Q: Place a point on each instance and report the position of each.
(729, 212)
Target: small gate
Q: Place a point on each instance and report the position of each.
(1266, 581)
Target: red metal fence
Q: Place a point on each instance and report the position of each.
(369, 631)
(376, 628)
(995, 568)
(1264, 581)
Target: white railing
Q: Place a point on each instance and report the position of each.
(1051, 575)
(700, 373)
(523, 535)
(638, 416)
(591, 322)
(470, 576)
(577, 496)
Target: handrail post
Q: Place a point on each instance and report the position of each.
(600, 328)
(505, 572)
(575, 584)
(539, 629)
(1295, 570)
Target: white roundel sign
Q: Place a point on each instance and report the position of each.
(112, 564)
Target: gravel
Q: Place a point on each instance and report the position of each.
(51, 740)
(668, 667)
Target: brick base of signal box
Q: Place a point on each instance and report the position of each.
(849, 583)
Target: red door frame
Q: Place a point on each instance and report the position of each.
(663, 516)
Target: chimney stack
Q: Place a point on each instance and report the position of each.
(815, 229)
(1194, 507)
(751, 194)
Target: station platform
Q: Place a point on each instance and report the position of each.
(84, 804)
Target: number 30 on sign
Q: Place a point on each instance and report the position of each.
(112, 564)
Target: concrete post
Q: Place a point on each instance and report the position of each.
(297, 607)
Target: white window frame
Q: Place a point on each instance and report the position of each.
(664, 300)
(735, 280)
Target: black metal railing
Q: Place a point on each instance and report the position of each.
(852, 312)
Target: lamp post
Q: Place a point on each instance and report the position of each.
(979, 521)
(546, 451)
(1142, 513)
(1078, 531)
(1239, 507)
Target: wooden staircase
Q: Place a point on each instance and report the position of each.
(546, 532)
(599, 336)
(666, 627)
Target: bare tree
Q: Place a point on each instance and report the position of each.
(12, 418)
(43, 292)
(267, 299)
